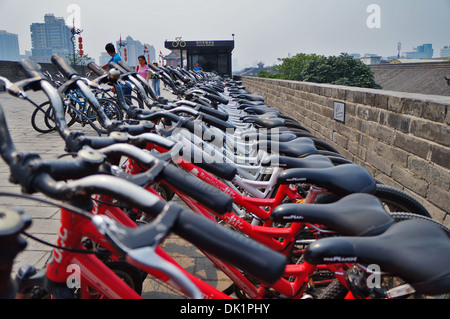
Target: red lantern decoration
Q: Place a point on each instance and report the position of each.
(80, 46)
(80, 39)
(81, 52)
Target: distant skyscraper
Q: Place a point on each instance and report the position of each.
(445, 52)
(52, 36)
(9, 46)
(104, 58)
(134, 49)
(424, 51)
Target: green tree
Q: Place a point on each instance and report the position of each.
(339, 70)
(78, 59)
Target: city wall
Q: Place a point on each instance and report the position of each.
(401, 138)
(11, 71)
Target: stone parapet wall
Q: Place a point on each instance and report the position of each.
(401, 138)
(11, 70)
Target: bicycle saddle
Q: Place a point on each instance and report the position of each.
(354, 215)
(416, 250)
(279, 136)
(248, 102)
(341, 180)
(313, 161)
(261, 110)
(299, 147)
(264, 122)
(250, 97)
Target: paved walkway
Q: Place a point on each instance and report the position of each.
(46, 218)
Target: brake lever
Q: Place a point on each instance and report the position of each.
(139, 245)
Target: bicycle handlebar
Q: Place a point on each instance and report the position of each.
(96, 69)
(263, 263)
(64, 67)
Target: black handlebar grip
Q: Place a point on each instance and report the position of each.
(153, 67)
(244, 253)
(135, 129)
(118, 67)
(96, 69)
(214, 121)
(63, 66)
(125, 66)
(207, 110)
(31, 69)
(202, 192)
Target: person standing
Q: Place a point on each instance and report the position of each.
(143, 69)
(156, 81)
(197, 67)
(115, 57)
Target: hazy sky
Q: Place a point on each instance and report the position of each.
(264, 29)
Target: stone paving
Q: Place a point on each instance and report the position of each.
(46, 218)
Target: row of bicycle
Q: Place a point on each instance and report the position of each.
(278, 210)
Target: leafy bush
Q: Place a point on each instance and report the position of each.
(341, 70)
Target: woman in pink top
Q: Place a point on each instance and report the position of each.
(143, 68)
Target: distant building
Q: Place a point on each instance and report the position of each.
(173, 59)
(253, 71)
(52, 36)
(134, 49)
(424, 51)
(445, 52)
(104, 58)
(370, 59)
(9, 46)
(355, 55)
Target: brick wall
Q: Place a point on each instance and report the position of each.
(401, 138)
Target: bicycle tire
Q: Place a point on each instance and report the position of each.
(399, 200)
(137, 101)
(39, 124)
(323, 146)
(51, 123)
(130, 274)
(393, 199)
(90, 117)
(336, 290)
(112, 110)
(402, 216)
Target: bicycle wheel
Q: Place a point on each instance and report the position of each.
(336, 290)
(38, 118)
(402, 216)
(68, 115)
(393, 199)
(396, 200)
(111, 109)
(134, 101)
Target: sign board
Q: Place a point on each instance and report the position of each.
(339, 111)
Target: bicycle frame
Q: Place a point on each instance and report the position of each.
(94, 273)
(265, 234)
(120, 216)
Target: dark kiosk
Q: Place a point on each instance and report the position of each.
(212, 56)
